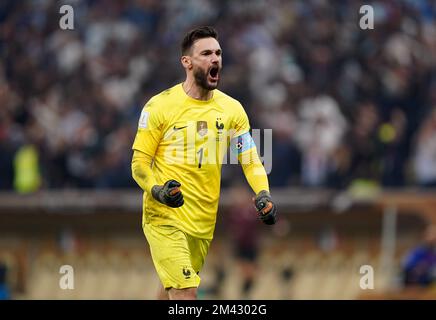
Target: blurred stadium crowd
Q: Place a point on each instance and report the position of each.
(346, 105)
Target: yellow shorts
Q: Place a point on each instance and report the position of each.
(177, 256)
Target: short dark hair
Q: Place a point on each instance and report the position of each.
(195, 34)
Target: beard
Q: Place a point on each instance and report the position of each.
(200, 77)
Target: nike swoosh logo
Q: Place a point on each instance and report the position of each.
(180, 128)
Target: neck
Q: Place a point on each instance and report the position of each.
(195, 91)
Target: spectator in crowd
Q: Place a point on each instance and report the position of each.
(392, 135)
(425, 156)
(419, 266)
(4, 287)
(321, 128)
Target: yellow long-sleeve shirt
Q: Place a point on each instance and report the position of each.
(186, 139)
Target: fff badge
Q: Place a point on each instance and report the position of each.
(202, 128)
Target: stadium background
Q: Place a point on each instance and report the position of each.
(353, 114)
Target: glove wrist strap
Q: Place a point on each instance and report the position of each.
(263, 193)
(155, 192)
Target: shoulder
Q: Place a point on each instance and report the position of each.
(162, 100)
(227, 101)
(155, 110)
(237, 116)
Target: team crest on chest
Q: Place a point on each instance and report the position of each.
(202, 128)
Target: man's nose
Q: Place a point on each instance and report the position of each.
(215, 58)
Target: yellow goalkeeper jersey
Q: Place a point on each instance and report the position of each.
(187, 140)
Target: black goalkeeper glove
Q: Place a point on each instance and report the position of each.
(266, 209)
(169, 194)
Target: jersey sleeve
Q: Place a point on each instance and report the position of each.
(241, 123)
(149, 130)
(145, 146)
(241, 141)
(243, 147)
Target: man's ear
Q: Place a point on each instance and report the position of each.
(186, 62)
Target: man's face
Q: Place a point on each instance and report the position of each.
(206, 63)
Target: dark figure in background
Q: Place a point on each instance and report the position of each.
(419, 268)
(243, 223)
(4, 289)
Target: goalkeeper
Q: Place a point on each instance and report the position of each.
(183, 135)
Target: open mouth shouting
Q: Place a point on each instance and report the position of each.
(214, 74)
